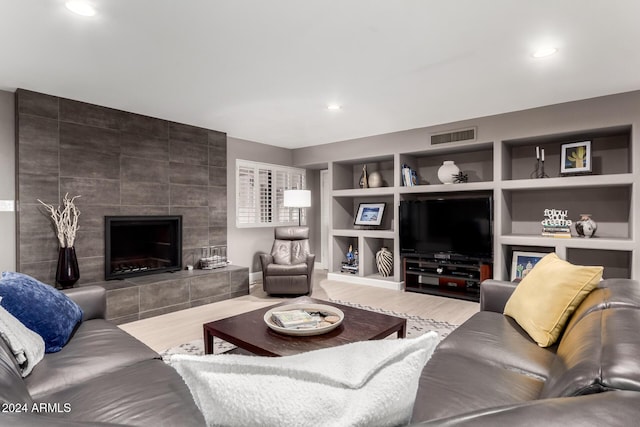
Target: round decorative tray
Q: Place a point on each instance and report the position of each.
(310, 308)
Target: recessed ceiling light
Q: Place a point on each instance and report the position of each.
(81, 8)
(334, 107)
(544, 52)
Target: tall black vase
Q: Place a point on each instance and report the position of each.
(67, 273)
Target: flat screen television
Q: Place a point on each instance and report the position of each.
(454, 228)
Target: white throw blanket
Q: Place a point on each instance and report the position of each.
(368, 383)
(26, 345)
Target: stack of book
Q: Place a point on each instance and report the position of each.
(409, 176)
(294, 319)
(556, 224)
(556, 231)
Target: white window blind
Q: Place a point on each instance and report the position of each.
(260, 194)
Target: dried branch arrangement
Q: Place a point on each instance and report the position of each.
(65, 220)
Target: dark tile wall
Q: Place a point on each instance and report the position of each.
(146, 296)
(121, 164)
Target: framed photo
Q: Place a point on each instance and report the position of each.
(369, 214)
(523, 262)
(576, 158)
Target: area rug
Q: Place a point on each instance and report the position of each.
(415, 326)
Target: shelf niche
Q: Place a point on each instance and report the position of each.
(616, 263)
(340, 249)
(476, 162)
(346, 208)
(610, 207)
(507, 254)
(346, 175)
(610, 153)
(368, 264)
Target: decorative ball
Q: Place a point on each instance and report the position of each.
(586, 226)
(375, 180)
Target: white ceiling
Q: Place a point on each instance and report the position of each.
(264, 70)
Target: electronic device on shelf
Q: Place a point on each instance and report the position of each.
(447, 229)
(437, 277)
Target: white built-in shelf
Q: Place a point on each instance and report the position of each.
(376, 234)
(365, 192)
(602, 243)
(502, 167)
(445, 188)
(594, 181)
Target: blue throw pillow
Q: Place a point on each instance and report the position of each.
(41, 308)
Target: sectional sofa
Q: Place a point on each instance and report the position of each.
(103, 375)
(487, 372)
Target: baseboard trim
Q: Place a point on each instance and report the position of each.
(256, 276)
(370, 281)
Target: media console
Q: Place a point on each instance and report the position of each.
(457, 279)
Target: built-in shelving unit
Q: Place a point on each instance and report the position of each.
(503, 168)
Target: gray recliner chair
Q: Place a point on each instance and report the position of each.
(289, 266)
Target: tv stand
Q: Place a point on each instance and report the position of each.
(442, 277)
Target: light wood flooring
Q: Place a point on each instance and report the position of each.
(169, 330)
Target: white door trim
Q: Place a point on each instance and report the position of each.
(325, 199)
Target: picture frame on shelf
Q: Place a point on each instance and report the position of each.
(575, 158)
(522, 263)
(369, 214)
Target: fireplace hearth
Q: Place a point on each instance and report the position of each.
(142, 245)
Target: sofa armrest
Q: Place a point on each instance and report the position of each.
(311, 262)
(265, 259)
(494, 294)
(91, 299)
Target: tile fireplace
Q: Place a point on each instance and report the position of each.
(142, 245)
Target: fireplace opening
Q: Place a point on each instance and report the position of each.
(141, 245)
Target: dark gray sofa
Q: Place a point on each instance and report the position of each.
(102, 375)
(488, 372)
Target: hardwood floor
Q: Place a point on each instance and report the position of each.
(168, 330)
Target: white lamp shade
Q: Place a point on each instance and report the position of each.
(297, 198)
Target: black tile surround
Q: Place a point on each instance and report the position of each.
(122, 164)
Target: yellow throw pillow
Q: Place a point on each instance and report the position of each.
(547, 296)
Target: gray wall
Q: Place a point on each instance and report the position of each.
(245, 244)
(566, 117)
(121, 163)
(7, 181)
(508, 140)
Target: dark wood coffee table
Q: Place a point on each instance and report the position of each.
(249, 332)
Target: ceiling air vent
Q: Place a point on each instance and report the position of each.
(454, 136)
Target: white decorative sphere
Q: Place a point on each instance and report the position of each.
(447, 172)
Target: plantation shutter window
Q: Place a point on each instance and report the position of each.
(260, 194)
